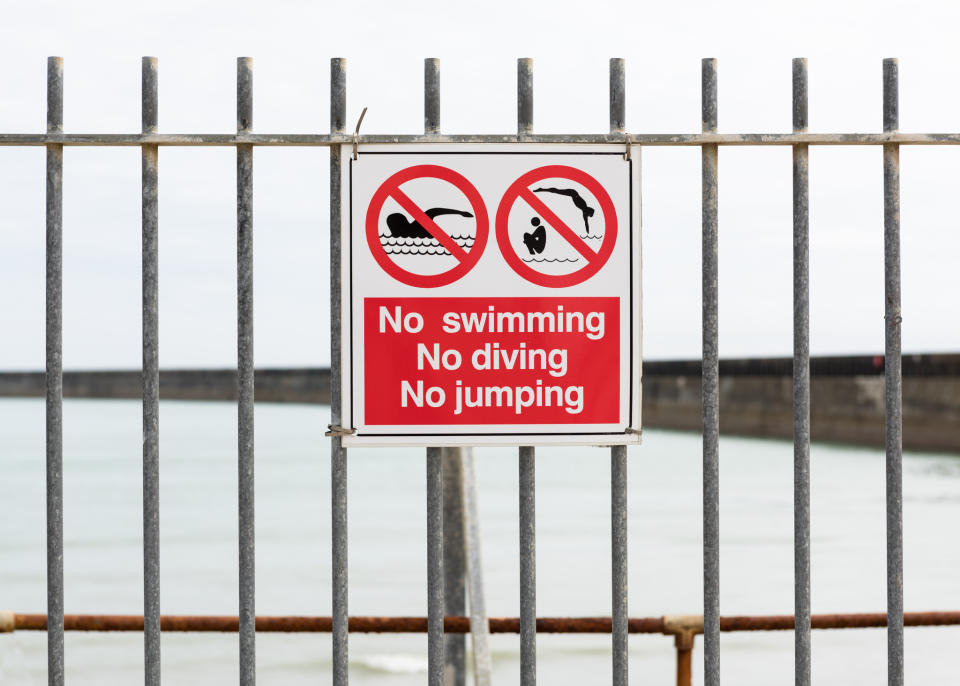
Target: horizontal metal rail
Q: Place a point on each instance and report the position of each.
(669, 625)
(324, 139)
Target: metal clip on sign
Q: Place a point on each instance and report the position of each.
(629, 141)
(356, 133)
(337, 430)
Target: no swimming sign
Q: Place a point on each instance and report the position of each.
(491, 295)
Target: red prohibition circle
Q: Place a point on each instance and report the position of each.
(391, 188)
(520, 189)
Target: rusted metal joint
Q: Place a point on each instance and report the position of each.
(338, 431)
(7, 622)
(683, 628)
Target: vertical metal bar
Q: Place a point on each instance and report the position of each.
(711, 378)
(528, 568)
(479, 625)
(618, 455)
(434, 567)
(151, 378)
(338, 455)
(528, 526)
(454, 565)
(801, 382)
(684, 661)
(245, 372)
(618, 528)
(54, 403)
(893, 379)
(431, 96)
(524, 96)
(618, 105)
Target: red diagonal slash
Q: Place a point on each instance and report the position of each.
(426, 222)
(554, 221)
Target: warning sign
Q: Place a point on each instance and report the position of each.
(450, 338)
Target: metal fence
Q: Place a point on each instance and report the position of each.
(618, 624)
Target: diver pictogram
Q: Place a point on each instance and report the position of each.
(428, 247)
(578, 202)
(553, 254)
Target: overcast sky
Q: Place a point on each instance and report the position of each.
(478, 43)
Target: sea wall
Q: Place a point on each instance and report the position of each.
(756, 395)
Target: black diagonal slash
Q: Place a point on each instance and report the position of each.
(426, 222)
(558, 224)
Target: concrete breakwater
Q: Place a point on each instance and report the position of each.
(756, 395)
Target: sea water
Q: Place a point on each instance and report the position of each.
(387, 553)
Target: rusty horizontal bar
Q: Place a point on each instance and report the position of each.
(308, 140)
(461, 625)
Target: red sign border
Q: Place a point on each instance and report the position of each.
(430, 171)
(510, 198)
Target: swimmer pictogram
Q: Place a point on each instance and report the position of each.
(411, 245)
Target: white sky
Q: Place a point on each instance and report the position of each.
(478, 43)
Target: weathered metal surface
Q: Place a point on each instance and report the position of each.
(336, 139)
(338, 456)
(893, 377)
(524, 97)
(454, 564)
(618, 572)
(801, 380)
(479, 625)
(710, 384)
(618, 101)
(528, 567)
(668, 625)
(149, 230)
(54, 375)
(527, 483)
(683, 628)
(434, 567)
(431, 96)
(618, 458)
(245, 456)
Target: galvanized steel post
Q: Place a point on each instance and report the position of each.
(528, 567)
(524, 96)
(248, 667)
(54, 401)
(527, 485)
(338, 455)
(893, 375)
(479, 623)
(151, 377)
(711, 381)
(618, 456)
(801, 381)
(454, 565)
(434, 567)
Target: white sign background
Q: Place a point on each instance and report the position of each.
(491, 169)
